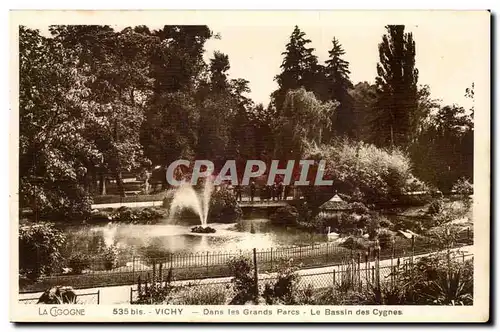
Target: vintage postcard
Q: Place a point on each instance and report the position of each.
(250, 166)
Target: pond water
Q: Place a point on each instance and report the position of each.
(164, 238)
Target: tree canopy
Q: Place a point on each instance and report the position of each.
(96, 103)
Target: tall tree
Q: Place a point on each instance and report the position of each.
(444, 150)
(338, 83)
(396, 108)
(217, 112)
(54, 148)
(177, 60)
(364, 97)
(219, 66)
(299, 68)
(116, 64)
(303, 121)
(177, 68)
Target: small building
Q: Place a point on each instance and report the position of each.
(334, 206)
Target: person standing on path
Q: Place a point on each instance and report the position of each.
(252, 190)
(238, 190)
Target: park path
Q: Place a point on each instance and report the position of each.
(317, 277)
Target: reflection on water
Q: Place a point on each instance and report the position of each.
(160, 240)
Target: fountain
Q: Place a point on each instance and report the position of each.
(185, 197)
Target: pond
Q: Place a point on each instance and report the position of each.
(165, 238)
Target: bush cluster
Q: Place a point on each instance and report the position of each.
(368, 173)
(40, 247)
(147, 215)
(224, 207)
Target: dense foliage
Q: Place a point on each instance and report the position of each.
(366, 173)
(39, 249)
(97, 103)
(243, 280)
(224, 207)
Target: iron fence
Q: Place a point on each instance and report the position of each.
(81, 298)
(360, 277)
(189, 266)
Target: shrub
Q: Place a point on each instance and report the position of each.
(79, 262)
(438, 280)
(348, 223)
(287, 215)
(130, 215)
(243, 280)
(63, 199)
(435, 207)
(110, 257)
(322, 221)
(151, 214)
(385, 223)
(373, 227)
(40, 247)
(385, 238)
(387, 294)
(224, 207)
(463, 187)
(284, 290)
(157, 290)
(100, 216)
(204, 295)
(358, 243)
(372, 174)
(359, 208)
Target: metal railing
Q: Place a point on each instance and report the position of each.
(189, 266)
(81, 298)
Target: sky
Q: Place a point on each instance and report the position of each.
(452, 48)
(446, 56)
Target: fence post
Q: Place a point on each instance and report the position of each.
(327, 247)
(373, 273)
(352, 250)
(334, 277)
(377, 264)
(255, 275)
(367, 272)
(133, 268)
(98, 295)
(412, 248)
(271, 258)
(393, 254)
(131, 292)
(171, 260)
(463, 257)
(207, 261)
(359, 272)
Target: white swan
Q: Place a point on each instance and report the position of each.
(330, 234)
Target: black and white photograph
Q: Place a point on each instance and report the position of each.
(313, 164)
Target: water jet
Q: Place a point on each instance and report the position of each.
(185, 197)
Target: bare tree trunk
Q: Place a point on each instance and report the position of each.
(102, 184)
(119, 183)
